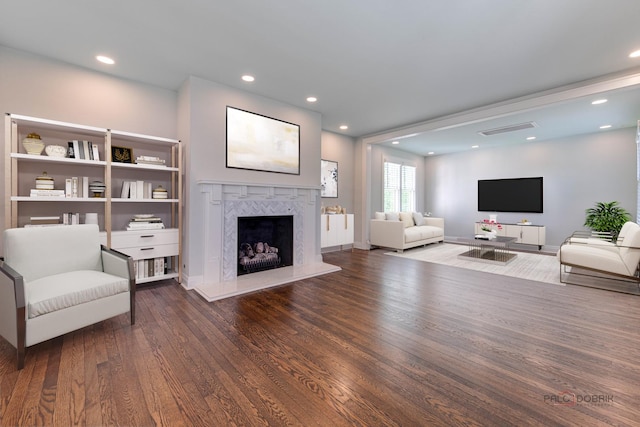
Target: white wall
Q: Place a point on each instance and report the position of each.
(36, 86)
(340, 148)
(578, 172)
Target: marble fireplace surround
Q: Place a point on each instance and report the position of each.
(223, 203)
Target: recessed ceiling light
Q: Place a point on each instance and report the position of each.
(344, 127)
(598, 101)
(395, 142)
(312, 99)
(248, 78)
(605, 126)
(531, 138)
(105, 60)
(635, 54)
(431, 153)
(475, 146)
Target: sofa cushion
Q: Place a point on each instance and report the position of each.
(429, 231)
(392, 216)
(379, 215)
(64, 290)
(414, 234)
(407, 219)
(418, 219)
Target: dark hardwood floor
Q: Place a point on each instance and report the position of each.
(385, 341)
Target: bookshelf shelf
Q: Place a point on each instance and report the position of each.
(58, 199)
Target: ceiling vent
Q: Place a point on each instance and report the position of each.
(510, 128)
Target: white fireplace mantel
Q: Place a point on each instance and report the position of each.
(224, 202)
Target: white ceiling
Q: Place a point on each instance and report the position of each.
(385, 68)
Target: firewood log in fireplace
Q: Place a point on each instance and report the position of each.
(259, 256)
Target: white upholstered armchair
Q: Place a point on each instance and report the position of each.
(618, 259)
(54, 280)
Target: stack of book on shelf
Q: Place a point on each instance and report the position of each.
(43, 221)
(151, 267)
(149, 160)
(47, 193)
(84, 150)
(145, 222)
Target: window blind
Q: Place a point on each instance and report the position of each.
(399, 187)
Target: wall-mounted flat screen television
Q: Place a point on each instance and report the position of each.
(262, 143)
(510, 195)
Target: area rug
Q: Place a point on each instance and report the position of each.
(530, 266)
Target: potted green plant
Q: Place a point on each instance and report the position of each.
(606, 218)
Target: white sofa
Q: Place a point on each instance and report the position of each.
(404, 230)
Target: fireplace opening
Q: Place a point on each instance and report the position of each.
(265, 242)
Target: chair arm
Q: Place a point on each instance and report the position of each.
(434, 221)
(117, 263)
(387, 234)
(585, 237)
(12, 305)
(121, 265)
(604, 235)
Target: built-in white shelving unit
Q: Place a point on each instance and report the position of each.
(114, 211)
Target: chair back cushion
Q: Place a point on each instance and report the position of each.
(630, 250)
(626, 228)
(37, 252)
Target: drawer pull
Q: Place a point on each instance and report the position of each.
(148, 235)
(147, 249)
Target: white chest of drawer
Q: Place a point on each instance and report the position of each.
(142, 244)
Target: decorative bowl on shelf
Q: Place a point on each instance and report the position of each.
(33, 144)
(56, 151)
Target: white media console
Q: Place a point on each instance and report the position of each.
(526, 234)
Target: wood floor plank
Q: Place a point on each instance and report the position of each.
(385, 341)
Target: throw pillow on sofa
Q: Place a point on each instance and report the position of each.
(407, 219)
(392, 216)
(418, 218)
(379, 215)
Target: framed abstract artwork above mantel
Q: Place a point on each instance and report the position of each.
(261, 143)
(328, 178)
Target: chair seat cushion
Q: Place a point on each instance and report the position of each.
(595, 257)
(65, 290)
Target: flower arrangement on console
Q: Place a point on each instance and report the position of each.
(490, 226)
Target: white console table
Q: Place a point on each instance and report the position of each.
(336, 230)
(526, 234)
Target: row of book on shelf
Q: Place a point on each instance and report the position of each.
(138, 222)
(151, 267)
(85, 150)
(81, 187)
(140, 190)
(67, 218)
(75, 186)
